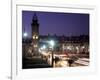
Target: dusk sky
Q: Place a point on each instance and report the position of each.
(68, 24)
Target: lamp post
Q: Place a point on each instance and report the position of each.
(52, 43)
(25, 36)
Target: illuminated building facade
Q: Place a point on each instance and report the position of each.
(72, 44)
(35, 34)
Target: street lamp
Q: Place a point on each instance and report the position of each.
(25, 34)
(52, 43)
(44, 47)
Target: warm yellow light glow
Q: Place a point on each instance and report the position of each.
(33, 37)
(83, 47)
(36, 37)
(77, 48)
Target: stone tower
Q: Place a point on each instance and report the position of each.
(35, 34)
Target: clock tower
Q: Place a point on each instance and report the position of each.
(35, 34)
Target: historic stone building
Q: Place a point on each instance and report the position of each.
(72, 44)
(35, 34)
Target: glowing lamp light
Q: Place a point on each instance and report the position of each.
(33, 37)
(69, 48)
(83, 47)
(52, 43)
(44, 47)
(36, 37)
(25, 34)
(77, 48)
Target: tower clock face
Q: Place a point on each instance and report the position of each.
(35, 27)
(35, 37)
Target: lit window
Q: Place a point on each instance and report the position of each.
(69, 48)
(77, 48)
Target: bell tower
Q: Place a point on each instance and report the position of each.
(35, 34)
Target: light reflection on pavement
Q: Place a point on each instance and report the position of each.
(61, 64)
(63, 60)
